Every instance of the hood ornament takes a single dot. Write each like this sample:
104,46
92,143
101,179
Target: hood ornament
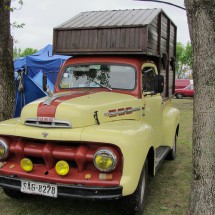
46,87
45,134
49,100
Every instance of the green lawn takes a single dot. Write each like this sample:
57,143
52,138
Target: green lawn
168,191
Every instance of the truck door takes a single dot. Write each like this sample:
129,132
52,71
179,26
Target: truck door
152,103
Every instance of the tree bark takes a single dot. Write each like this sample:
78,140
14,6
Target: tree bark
7,86
201,20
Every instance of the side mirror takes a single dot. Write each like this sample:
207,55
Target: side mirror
159,83
44,82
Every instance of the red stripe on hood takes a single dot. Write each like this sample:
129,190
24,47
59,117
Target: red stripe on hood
50,110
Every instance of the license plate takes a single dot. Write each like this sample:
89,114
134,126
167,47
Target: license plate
38,188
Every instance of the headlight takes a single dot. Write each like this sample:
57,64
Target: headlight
4,150
26,164
62,168
105,160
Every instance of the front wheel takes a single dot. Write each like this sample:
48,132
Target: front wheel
134,203
179,96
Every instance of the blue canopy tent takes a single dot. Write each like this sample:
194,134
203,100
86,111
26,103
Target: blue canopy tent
42,61
30,92
19,63
38,79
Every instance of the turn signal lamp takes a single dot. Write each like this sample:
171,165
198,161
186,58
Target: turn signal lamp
4,150
105,160
26,164
62,168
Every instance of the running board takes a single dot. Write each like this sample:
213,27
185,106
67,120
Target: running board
161,153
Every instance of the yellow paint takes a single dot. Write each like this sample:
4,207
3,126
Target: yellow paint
80,111
152,126
148,64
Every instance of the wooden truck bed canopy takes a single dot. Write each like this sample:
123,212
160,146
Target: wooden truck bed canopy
137,31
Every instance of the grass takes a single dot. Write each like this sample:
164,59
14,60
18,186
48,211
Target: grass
168,190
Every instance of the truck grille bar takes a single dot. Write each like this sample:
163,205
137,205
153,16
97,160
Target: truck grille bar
47,124
51,152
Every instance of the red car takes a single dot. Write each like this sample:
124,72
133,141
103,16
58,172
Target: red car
182,83
185,92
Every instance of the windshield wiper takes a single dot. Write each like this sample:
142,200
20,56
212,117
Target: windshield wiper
101,85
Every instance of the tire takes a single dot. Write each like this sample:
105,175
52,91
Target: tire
179,96
134,203
15,194
172,153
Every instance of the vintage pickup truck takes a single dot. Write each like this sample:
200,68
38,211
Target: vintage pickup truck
110,122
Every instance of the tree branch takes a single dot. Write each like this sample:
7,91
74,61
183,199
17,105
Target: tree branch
164,2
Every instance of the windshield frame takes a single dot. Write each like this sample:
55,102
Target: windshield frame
100,87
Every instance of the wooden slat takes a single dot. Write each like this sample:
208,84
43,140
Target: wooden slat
122,37
154,39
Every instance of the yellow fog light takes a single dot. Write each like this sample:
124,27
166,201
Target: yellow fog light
105,160
26,164
62,167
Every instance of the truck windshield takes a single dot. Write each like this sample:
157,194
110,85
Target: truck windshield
97,75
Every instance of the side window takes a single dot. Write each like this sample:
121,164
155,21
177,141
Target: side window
148,79
191,87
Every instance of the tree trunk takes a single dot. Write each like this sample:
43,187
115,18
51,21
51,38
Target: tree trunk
201,19
7,87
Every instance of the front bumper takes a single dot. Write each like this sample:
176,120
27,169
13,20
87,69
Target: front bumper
73,191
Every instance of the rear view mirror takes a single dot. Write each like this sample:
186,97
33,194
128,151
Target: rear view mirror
159,83
44,82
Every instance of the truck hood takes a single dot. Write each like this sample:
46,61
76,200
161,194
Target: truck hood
76,109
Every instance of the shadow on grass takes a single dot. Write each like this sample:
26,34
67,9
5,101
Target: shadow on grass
34,205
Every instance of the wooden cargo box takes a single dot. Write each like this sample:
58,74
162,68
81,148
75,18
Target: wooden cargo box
135,32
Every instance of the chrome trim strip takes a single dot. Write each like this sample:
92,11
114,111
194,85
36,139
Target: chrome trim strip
115,113
6,149
45,124
49,100
111,154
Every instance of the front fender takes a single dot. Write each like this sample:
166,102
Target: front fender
134,138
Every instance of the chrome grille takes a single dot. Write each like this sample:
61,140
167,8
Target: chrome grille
48,124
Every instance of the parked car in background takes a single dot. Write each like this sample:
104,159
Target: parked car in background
182,83
185,92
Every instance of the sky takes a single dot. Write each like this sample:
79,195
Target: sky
40,17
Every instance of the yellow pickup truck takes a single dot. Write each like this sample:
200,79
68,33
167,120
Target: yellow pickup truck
108,125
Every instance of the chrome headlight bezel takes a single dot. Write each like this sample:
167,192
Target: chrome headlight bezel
4,145
108,153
